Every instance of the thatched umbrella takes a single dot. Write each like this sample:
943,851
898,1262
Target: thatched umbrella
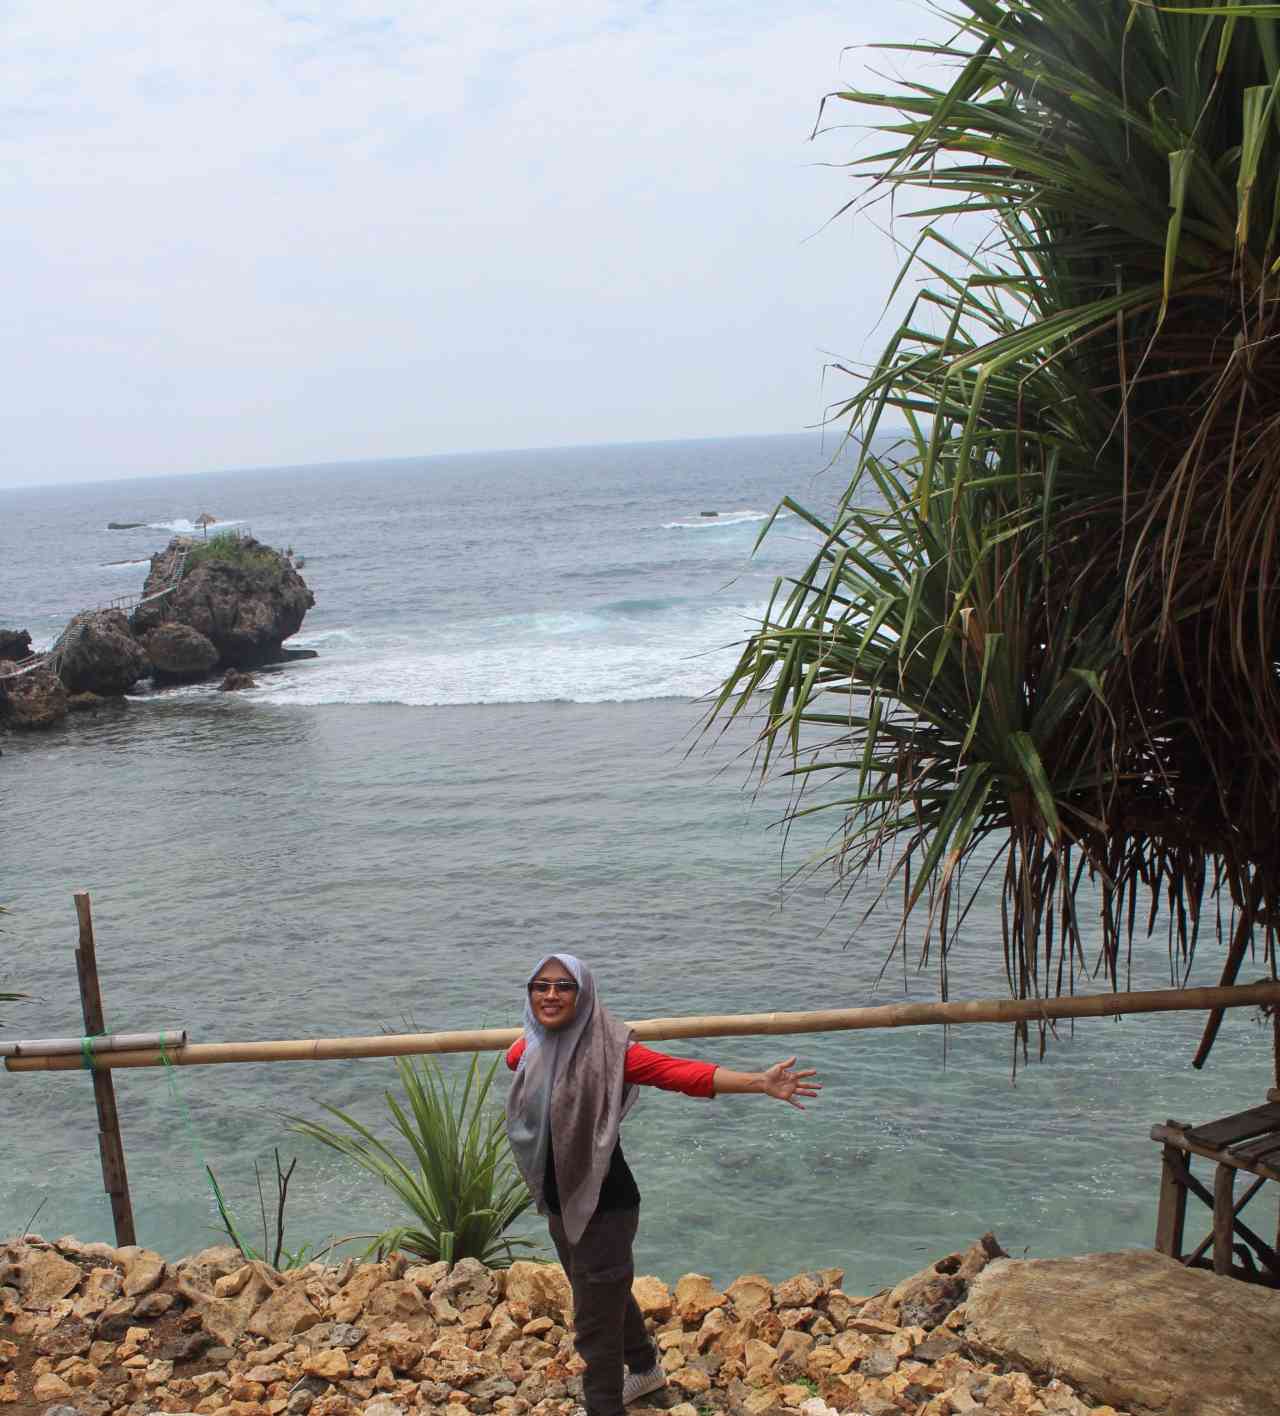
205,520
1055,631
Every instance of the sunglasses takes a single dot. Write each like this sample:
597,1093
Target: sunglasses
553,985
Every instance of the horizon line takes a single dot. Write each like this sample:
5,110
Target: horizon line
418,457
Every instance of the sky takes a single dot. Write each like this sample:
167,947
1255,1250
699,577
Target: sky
274,232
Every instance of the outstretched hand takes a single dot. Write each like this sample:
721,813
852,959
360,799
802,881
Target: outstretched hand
784,1084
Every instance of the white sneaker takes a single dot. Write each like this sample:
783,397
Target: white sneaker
638,1384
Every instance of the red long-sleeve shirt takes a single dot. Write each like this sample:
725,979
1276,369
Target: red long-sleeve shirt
647,1068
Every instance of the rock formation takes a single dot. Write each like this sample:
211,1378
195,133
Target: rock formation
1134,1327
244,597
179,653
100,655
14,644
119,1332
33,700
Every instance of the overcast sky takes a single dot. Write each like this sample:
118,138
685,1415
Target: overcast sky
265,232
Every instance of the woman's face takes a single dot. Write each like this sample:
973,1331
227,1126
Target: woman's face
553,995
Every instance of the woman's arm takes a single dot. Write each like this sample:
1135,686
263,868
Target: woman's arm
777,1081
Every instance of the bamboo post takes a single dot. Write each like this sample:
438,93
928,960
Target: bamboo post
893,1015
115,1178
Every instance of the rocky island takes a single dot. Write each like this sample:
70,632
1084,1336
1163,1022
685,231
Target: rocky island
220,606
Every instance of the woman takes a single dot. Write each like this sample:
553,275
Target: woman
577,1070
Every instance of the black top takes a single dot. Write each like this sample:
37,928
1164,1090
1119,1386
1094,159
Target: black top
618,1192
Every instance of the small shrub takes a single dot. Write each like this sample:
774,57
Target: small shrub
462,1186
229,548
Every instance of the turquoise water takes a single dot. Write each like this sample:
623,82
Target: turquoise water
497,754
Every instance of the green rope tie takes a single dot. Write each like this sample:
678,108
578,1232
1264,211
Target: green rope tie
86,1049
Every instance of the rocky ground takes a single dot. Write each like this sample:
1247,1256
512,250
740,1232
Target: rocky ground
119,1332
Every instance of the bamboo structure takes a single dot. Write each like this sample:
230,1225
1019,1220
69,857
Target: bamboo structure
893,1015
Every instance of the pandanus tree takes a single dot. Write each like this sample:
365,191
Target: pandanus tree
1040,633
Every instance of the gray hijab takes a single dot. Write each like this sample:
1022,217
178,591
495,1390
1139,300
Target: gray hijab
569,1089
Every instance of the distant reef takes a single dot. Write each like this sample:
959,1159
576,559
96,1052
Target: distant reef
209,608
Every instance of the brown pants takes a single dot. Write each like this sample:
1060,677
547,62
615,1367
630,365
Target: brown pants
608,1327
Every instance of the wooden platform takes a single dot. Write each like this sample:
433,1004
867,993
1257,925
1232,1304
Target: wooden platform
1249,1143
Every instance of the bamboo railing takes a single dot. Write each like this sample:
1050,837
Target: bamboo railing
892,1015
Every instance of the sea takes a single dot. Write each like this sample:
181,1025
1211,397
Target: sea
501,749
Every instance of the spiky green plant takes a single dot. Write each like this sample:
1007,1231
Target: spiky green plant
459,1183
1044,626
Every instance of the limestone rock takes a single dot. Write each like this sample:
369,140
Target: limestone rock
100,655
879,1362
227,1318
1134,1329
214,1261
343,1335
426,1276
50,1388
383,1407
229,1284
45,1277
287,1312
331,1363
245,602
653,1297
802,1291
143,1273
113,1320
71,1337
234,680
34,700
750,1293
696,1296
179,653
467,1284
400,1301
539,1290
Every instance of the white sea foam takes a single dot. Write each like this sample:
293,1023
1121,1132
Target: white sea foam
722,518
180,526
341,637
536,658
125,565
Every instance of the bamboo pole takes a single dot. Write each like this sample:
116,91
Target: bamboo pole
115,1177
77,1046
893,1015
